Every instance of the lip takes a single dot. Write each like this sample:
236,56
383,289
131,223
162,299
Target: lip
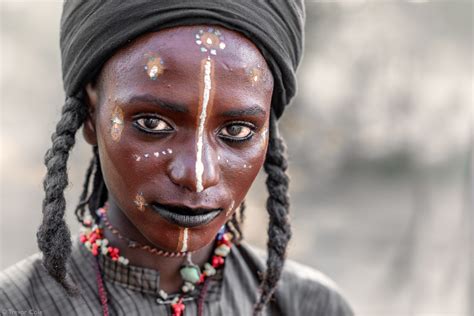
185,216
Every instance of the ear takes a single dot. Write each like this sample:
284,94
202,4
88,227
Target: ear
92,102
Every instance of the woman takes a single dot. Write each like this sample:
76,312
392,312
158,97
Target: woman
179,101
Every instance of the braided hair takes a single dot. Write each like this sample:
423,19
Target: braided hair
54,237
279,229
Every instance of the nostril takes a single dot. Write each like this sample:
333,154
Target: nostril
182,176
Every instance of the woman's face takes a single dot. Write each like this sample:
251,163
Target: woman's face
181,117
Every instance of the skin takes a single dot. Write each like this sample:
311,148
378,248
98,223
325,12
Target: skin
237,107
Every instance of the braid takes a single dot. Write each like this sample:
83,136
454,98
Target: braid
235,224
99,192
53,236
241,213
84,200
279,230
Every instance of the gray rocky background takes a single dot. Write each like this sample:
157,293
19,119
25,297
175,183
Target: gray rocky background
379,148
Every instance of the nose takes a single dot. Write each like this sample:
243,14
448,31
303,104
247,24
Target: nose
194,172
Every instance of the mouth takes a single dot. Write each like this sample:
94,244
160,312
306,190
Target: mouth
184,216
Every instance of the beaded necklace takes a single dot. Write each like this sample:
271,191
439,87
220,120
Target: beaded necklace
91,235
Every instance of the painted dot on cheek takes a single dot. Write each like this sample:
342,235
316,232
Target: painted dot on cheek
117,123
140,202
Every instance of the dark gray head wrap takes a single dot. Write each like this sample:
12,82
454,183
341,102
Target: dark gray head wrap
91,31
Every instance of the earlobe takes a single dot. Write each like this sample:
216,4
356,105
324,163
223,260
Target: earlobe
91,100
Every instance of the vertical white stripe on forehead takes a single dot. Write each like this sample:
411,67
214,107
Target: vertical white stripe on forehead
202,120
184,248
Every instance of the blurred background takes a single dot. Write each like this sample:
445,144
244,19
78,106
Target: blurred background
379,143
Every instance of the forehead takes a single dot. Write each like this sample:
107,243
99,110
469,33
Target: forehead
178,54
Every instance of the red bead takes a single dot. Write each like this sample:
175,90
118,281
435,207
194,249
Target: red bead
95,248
93,238
202,278
217,261
83,238
224,242
178,308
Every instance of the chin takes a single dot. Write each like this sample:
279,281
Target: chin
173,237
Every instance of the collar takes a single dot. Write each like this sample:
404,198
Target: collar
146,280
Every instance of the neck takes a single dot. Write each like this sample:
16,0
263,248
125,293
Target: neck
170,278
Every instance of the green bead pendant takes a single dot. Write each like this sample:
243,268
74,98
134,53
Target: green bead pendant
190,273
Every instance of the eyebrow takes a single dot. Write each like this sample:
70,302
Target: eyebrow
151,99
254,110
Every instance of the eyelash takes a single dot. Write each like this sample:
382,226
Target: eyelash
239,140
225,138
145,130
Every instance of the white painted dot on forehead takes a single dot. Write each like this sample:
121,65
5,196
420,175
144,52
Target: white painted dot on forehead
210,41
154,66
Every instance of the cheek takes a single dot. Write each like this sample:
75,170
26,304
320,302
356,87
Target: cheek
239,169
127,164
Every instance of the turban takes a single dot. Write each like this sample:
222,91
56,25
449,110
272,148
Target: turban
91,31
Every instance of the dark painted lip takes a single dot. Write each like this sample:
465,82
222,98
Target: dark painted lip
185,217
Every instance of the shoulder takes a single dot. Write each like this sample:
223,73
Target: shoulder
310,292
303,290
27,286
17,283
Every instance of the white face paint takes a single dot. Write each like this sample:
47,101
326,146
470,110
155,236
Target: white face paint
210,42
184,248
202,121
137,158
156,154
231,208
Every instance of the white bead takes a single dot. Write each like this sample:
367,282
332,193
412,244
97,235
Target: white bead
163,294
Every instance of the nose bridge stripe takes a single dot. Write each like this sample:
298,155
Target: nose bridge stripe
202,121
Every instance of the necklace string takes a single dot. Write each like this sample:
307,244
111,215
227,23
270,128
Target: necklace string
135,244
93,239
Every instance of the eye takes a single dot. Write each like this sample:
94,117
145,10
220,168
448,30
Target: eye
152,124
237,132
